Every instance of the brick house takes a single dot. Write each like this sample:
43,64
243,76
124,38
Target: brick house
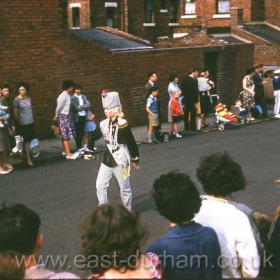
38,47
157,19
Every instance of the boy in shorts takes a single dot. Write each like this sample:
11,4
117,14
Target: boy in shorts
152,110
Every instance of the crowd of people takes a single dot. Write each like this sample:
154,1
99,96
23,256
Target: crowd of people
210,236
193,100
189,102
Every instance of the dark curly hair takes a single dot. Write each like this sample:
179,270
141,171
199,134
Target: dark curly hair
22,84
220,175
176,197
112,237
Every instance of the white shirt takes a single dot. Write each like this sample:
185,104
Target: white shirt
235,237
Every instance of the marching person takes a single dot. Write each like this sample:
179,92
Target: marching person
276,90
121,148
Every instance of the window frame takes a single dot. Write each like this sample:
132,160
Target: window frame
189,1
73,9
217,7
151,16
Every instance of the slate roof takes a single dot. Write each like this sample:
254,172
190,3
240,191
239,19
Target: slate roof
264,31
109,40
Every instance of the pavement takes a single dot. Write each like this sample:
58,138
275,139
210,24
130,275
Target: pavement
51,149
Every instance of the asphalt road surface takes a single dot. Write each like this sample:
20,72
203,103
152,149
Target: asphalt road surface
63,192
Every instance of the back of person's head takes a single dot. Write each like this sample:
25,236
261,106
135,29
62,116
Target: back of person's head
152,89
10,266
67,84
176,197
220,175
114,232
19,229
263,222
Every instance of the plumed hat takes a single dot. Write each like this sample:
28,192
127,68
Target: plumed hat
110,99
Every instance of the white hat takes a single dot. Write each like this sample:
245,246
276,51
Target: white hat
277,71
111,99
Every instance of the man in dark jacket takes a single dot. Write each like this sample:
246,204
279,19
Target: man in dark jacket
259,89
190,92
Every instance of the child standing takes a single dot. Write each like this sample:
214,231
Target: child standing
152,110
90,128
177,113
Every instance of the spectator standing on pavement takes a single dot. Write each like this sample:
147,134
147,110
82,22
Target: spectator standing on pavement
248,93
152,110
20,232
23,114
204,94
152,82
5,94
276,89
64,116
80,106
190,93
5,147
259,88
116,233
177,112
220,176
177,199
173,87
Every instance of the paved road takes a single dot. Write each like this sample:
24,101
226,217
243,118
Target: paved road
64,192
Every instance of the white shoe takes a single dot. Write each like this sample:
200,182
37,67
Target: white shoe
277,116
72,157
63,154
95,148
178,136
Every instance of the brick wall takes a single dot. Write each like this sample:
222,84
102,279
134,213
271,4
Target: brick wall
272,12
38,49
267,54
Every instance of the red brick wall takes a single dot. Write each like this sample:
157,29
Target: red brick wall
267,54
84,13
272,12
37,49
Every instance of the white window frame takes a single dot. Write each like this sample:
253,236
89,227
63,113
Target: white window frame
75,5
186,2
111,4
217,8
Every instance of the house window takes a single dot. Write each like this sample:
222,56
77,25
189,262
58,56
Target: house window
190,7
149,11
173,11
223,6
111,17
76,17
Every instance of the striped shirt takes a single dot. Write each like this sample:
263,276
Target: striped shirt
25,113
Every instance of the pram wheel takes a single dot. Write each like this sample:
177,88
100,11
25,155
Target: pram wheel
35,152
221,127
242,121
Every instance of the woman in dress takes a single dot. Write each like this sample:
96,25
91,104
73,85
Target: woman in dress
173,87
23,114
247,95
112,236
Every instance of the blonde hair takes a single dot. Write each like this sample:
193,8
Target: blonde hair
118,111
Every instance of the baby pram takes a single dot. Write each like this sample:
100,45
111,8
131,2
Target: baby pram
222,116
